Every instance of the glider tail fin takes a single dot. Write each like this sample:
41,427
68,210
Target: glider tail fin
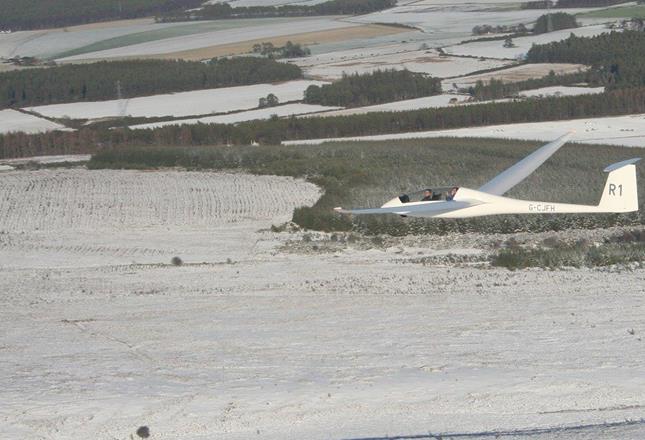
620,193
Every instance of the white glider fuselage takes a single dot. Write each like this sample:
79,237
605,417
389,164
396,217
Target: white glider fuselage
619,195
472,203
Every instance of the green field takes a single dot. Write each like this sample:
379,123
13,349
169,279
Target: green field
637,11
360,174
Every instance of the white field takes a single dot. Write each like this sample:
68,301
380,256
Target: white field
331,66
100,335
14,121
197,102
232,118
496,49
408,104
562,91
216,38
514,74
628,131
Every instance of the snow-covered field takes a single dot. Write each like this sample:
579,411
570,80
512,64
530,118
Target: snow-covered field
331,66
562,91
216,38
232,118
252,338
14,121
408,104
197,102
496,49
62,158
628,131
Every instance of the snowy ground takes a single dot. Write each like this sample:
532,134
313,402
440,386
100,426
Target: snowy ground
408,104
62,158
628,131
269,336
263,113
14,121
197,102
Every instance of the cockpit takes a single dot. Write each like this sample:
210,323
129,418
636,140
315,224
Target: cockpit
430,194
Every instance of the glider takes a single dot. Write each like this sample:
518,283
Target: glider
619,195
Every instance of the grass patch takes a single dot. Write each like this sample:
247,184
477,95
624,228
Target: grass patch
367,174
580,254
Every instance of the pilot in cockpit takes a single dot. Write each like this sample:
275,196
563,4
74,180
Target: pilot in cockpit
451,193
427,195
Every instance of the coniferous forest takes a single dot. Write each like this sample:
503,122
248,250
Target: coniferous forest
617,58
373,88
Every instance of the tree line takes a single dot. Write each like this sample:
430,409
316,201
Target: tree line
617,58
38,14
373,88
98,81
289,50
220,11
615,102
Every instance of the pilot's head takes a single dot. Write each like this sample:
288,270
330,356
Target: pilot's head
427,193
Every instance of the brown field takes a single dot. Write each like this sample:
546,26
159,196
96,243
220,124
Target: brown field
522,73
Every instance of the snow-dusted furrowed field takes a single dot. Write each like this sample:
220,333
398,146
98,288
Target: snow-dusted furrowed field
14,121
198,102
628,131
253,338
232,118
514,74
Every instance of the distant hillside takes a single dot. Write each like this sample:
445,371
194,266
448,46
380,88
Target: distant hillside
39,14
